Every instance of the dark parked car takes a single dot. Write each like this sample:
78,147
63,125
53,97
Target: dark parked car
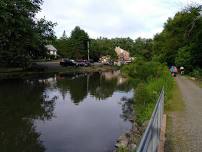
68,62
83,63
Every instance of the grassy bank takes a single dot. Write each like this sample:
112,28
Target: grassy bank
50,68
174,105
148,79
175,102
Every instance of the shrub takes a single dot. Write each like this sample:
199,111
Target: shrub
152,77
197,73
143,70
8,60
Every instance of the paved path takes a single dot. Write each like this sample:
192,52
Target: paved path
187,124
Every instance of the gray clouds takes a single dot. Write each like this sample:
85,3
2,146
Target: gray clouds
111,18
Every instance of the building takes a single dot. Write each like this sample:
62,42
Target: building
122,54
105,59
51,50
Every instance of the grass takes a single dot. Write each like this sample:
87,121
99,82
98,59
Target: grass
148,79
122,149
173,105
147,95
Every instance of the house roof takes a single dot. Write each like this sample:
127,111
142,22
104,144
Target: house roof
119,51
51,48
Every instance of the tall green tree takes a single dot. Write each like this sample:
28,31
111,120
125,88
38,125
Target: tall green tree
21,35
180,40
143,47
75,46
78,42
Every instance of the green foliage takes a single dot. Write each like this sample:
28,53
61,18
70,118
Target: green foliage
78,41
152,77
184,57
102,47
21,34
143,70
180,40
197,73
122,149
75,46
143,47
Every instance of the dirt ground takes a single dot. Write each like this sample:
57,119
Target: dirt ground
184,130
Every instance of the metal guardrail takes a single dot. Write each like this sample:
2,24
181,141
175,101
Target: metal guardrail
151,137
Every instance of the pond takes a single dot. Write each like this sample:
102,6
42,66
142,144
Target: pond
64,113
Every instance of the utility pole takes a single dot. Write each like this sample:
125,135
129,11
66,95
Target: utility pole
88,50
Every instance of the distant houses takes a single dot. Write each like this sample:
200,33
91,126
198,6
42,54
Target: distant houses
105,59
51,50
123,56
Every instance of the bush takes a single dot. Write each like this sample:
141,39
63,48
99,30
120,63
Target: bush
143,70
197,73
51,57
10,60
184,58
152,77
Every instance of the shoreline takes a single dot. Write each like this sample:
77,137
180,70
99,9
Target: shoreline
17,74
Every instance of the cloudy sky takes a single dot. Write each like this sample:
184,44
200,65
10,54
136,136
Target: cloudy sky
112,18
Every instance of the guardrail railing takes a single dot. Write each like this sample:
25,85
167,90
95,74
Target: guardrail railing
151,137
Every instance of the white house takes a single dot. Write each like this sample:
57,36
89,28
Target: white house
51,50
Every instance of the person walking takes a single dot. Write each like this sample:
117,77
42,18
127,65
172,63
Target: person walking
181,70
173,70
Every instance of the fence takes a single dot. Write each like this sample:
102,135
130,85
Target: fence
151,137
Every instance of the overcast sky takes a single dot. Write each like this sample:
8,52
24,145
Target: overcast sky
112,18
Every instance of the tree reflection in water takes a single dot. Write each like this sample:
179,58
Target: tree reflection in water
20,103
100,85
127,109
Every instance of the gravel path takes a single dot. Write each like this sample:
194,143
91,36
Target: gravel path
186,125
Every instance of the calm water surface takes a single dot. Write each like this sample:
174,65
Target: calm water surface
64,113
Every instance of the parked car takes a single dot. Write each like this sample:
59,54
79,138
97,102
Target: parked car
83,63
68,62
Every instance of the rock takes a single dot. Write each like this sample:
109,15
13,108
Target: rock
122,141
133,147
131,120
192,78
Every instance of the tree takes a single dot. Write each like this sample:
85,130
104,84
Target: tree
42,35
104,46
184,58
20,32
143,47
101,47
74,47
64,36
181,38
78,41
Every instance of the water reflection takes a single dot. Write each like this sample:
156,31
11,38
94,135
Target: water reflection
20,103
32,111
100,85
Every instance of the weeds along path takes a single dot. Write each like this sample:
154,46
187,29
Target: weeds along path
185,125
